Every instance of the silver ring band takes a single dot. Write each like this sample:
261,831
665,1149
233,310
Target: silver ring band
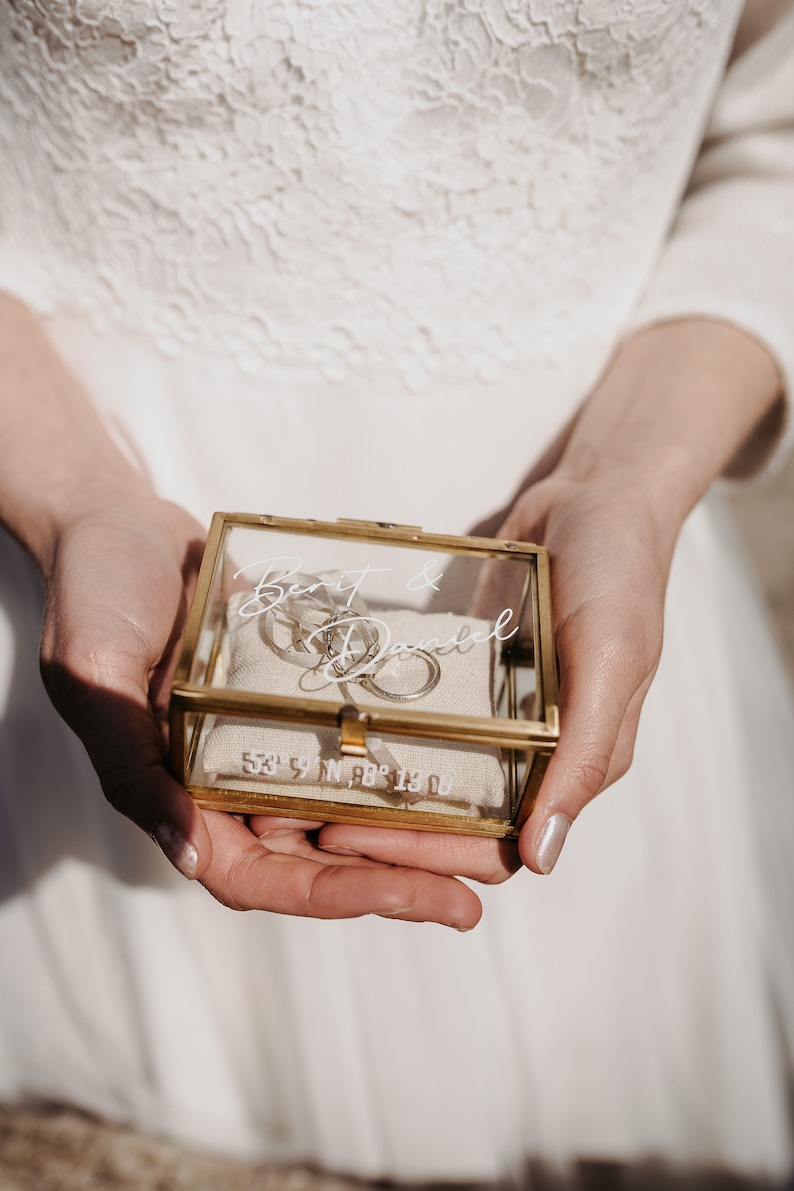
434,677
370,643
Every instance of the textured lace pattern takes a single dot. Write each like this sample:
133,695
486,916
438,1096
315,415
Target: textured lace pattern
416,188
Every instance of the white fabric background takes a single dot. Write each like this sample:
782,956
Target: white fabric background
409,233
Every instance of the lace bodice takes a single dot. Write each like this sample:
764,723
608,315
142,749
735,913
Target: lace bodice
412,187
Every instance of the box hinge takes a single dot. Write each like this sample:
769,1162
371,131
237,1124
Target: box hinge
378,525
353,724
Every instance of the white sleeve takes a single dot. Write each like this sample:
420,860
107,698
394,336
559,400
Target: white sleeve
730,251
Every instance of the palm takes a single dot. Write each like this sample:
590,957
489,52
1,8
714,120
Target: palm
609,571
108,652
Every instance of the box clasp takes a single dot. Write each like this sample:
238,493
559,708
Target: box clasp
353,724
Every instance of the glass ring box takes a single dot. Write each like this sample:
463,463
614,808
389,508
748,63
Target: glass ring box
366,672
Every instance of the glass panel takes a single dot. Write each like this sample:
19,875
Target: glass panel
377,626
288,760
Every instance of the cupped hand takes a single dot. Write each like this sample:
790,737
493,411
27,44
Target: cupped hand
611,558
118,588
680,403
610,561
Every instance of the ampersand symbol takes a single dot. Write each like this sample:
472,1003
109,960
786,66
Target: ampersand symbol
424,579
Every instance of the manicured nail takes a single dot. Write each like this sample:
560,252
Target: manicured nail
550,841
182,854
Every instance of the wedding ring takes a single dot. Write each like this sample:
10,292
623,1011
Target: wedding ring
370,642
352,644
434,677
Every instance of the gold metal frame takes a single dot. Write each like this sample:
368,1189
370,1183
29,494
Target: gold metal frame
535,738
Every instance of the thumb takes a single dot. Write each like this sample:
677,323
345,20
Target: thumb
600,701
126,749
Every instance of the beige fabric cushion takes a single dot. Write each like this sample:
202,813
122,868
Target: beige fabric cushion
305,761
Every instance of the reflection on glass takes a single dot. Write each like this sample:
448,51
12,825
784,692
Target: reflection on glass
429,646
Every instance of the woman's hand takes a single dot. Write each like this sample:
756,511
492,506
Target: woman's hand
117,595
119,566
681,403
612,557
610,566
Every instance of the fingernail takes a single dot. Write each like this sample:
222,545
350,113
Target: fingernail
337,851
550,841
182,854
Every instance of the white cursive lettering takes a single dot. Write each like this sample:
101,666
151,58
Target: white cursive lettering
270,591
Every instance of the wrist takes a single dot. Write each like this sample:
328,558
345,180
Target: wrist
57,461
673,411
77,501
41,502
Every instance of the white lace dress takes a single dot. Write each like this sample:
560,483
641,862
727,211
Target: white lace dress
362,258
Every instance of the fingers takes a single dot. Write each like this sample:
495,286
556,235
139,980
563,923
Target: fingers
601,696
126,750
283,872
277,869
116,603
609,571
490,861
